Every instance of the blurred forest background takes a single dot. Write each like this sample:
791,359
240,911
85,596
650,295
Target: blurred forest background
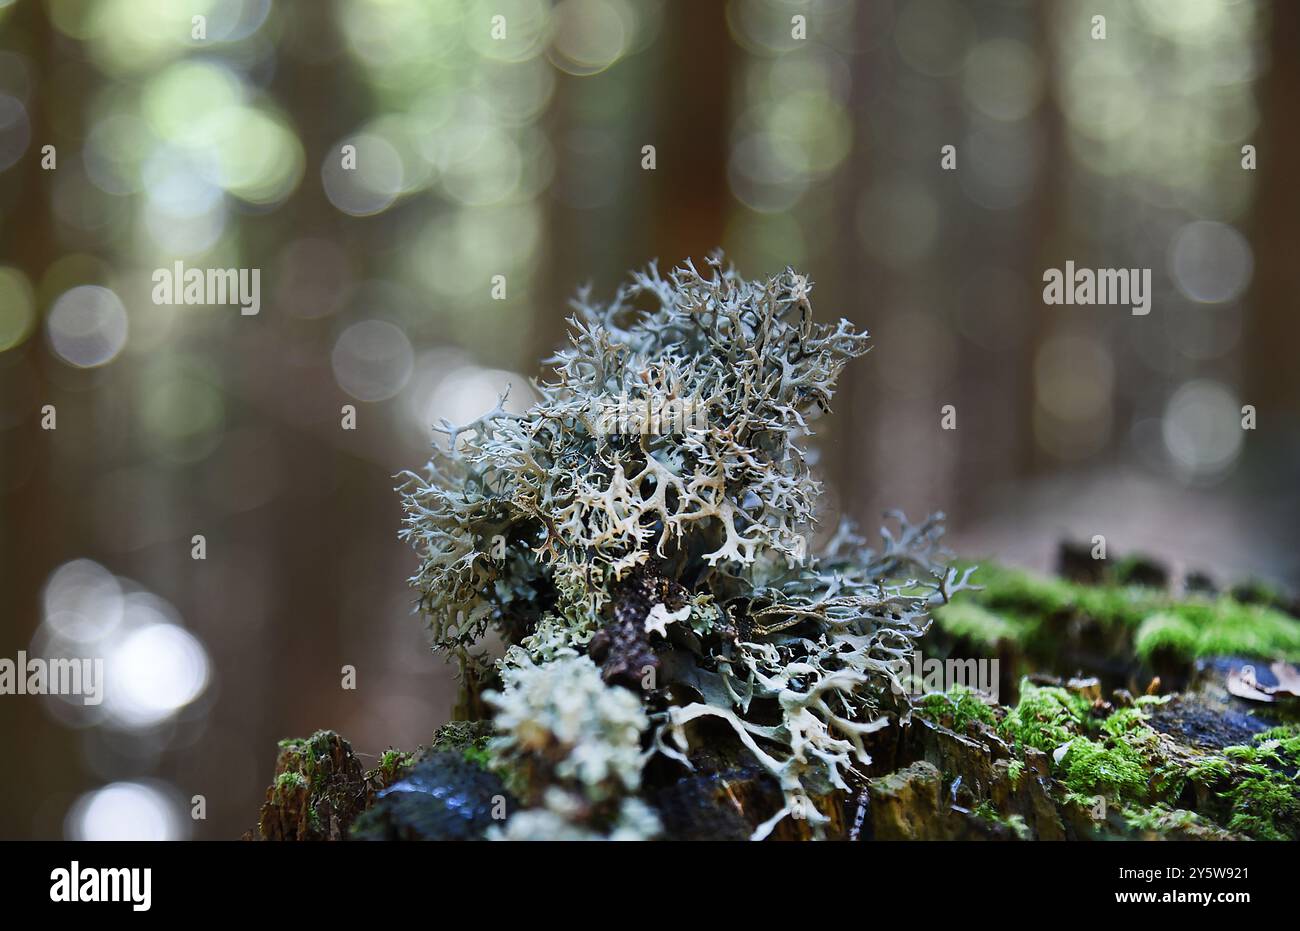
522,157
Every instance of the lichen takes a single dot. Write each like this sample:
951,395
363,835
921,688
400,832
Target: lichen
675,559
572,742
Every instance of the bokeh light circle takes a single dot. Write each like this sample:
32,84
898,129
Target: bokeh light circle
87,326
155,671
17,308
15,130
1201,428
124,811
1210,262
589,36
372,360
373,179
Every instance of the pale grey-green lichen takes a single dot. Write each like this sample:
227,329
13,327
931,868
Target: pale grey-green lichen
682,552
578,743
635,821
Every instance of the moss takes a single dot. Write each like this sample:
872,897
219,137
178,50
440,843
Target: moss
1018,824
1162,819
1252,787
322,768
1119,757
287,783
479,756
1015,772
1257,782
1265,805
979,625
1005,587
1257,591
1209,770
456,735
1114,606
1249,630
391,762
393,759
1045,717
957,708
316,757
1124,721
987,811
1013,604
1165,632
1288,736
1113,768
1011,589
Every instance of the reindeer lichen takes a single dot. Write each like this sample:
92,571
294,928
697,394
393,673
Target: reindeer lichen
610,540
573,745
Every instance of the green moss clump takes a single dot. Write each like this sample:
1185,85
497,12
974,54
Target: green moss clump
1124,721
1016,771
1248,630
1265,804
989,812
1287,735
957,707
319,787
1114,606
1257,782
287,783
1013,606
1045,717
468,738
392,762
1004,587
1119,763
1113,768
979,625
1161,819
1143,772
1209,770
1165,632
479,756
